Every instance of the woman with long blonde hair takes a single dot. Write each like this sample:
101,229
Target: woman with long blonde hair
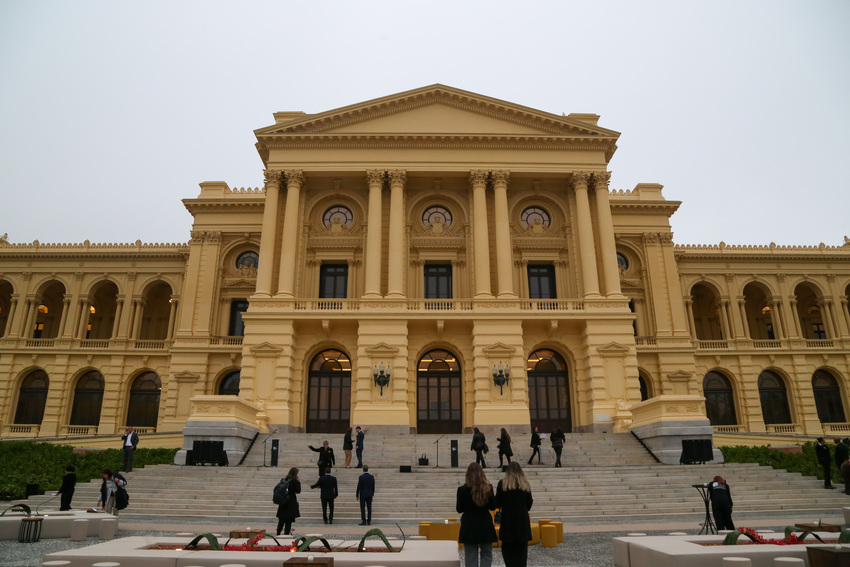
474,502
513,496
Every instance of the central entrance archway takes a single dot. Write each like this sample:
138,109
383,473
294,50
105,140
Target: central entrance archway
438,397
548,391
329,393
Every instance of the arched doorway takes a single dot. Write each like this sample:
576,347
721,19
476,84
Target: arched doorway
438,396
143,409
329,393
706,308
104,307
827,397
549,391
88,399
229,385
774,399
48,315
156,313
5,306
719,399
645,385
32,398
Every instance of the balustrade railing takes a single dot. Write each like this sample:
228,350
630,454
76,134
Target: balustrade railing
712,345
767,344
15,429
439,305
727,428
645,341
225,341
790,428
94,343
78,430
149,345
819,343
551,305
830,428
41,343
327,305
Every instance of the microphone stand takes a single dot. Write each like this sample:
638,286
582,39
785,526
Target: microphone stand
438,450
264,445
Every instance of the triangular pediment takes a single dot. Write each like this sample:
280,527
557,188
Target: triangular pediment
436,110
613,349
498,349
382,349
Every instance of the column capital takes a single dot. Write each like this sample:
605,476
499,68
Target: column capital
579,179
501,177
272,177
397,176
601,179
478,178
294,177
375,176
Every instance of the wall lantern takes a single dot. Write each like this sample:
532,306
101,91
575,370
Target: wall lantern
382,376
501,376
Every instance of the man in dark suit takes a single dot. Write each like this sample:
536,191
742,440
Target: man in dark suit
365,492
822,452
842,452
328,486
358,445
131,440
326,457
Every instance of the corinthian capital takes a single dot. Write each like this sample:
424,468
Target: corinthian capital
478,177
601,179
501,177
294,177
580,178
272,176
375,176
397,176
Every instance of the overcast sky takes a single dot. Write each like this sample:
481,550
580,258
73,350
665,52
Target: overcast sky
112,112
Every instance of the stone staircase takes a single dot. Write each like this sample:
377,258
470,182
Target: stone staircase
605,478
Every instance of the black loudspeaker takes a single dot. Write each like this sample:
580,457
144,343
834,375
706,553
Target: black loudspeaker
696,451
454,453
275,449
405,468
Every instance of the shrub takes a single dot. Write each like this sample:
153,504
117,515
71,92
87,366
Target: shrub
29,462
805,462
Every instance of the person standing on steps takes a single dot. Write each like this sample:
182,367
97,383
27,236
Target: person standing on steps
513,496
558,438
347,446
131,441
479,445
359,447
289,510
326,457
66,491
842,452
535,445
505,447
721,503
329,492
475,499
822,452
365,492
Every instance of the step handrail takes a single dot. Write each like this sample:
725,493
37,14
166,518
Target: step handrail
648,450
248,450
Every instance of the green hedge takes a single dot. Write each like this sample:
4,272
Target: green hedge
805,462
27,462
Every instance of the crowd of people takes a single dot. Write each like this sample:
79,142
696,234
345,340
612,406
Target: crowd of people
479,445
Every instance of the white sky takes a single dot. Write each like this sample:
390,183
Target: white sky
111,112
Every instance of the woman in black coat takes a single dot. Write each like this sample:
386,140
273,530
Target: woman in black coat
535,445
513,496
286,513
721,503
474,501
558,438
347,446
478,445
505,446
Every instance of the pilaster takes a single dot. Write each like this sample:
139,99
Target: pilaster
288,249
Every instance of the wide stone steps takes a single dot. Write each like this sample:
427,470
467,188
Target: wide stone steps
631,487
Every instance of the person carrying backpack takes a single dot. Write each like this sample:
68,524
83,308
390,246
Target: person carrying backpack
112,482
287,501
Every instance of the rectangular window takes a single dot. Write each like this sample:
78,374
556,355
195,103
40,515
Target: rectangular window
333,281
818,330
438,281
541,282
237,308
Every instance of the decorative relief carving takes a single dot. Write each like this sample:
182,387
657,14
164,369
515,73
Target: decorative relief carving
501,177
247,271
294,177
79,275
27,276
601,180
651,237
397,176
477,178
272,177
131,276
375,176
580,179
730,277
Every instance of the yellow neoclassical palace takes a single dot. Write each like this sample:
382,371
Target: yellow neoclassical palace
429,261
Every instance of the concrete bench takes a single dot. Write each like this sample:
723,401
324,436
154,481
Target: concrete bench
57,524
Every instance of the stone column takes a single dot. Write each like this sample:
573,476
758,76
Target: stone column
288,249
66,306
742,306
13,307
397,248
727,314
605,230
587,249
172,317
265,268
137,318
29,318
796,316
85,315
119,308
372,264
640,317
776,319
724,321
504,257
844,311
480,238
827,319
689,305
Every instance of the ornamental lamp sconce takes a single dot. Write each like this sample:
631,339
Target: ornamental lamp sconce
382,376
501,376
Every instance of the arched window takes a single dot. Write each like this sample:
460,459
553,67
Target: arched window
156,313
229,385
774,398
548,391
32,398
437,215
249,258
143,408
88,399
827,397
438,396
535,216
329,394
719,400
645,387
338,215
622,261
